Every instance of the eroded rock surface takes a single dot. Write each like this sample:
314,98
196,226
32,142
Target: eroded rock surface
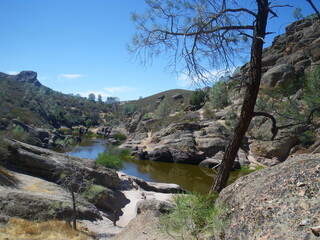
280,202
36,199
43,162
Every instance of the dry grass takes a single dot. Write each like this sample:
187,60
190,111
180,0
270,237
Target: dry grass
18,229
39,186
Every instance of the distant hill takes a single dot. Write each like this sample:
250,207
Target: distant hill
23,97
170,95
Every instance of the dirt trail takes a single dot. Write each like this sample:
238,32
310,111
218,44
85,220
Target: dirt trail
147,142
105,228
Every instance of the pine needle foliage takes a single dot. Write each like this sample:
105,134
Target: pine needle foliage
193,216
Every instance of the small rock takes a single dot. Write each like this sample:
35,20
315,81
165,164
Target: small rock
304,222
300,184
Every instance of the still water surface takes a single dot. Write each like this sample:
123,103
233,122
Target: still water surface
189,177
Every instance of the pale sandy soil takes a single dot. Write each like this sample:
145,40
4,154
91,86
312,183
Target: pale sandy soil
105,228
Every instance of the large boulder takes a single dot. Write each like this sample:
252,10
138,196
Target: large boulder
280,202
178,141
210,163
211,146
160,154
280,73
43,163
109,200
212,138
279,149
157,187
36,199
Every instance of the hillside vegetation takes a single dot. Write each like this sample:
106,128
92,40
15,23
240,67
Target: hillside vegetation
41,106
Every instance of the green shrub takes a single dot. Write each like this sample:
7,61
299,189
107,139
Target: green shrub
307,138
231,119
129,109
193,216
197,98
92,192
208,114
120,136
164,109
147,115
110,161
312,86
219,95
123,154
20,134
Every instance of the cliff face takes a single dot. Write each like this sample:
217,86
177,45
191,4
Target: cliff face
280,202
196,138
23,77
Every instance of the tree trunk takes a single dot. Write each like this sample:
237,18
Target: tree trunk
252,89
74,215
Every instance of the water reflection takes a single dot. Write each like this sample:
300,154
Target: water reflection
88,148
189,177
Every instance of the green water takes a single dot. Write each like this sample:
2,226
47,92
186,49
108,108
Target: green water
189,177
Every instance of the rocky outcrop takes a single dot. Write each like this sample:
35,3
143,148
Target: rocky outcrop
132,123
192,141
23,77
157,187
44,138
187,142
104,131
43,163
280,202
36,199
280,74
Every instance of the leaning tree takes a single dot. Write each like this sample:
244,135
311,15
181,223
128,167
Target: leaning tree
203,35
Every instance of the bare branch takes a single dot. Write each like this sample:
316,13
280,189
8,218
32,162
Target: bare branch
274,128
186,34
314,8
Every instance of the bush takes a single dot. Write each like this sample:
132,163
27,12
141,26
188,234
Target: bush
120,136
219,95
311,94
113,158
163,109
18,133
110,161
92,192
197,98
193,216
307,138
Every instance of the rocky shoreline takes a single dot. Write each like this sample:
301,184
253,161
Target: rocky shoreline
35,195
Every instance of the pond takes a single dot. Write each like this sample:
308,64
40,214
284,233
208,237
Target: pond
189,177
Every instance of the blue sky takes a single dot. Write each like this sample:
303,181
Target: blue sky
79,46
